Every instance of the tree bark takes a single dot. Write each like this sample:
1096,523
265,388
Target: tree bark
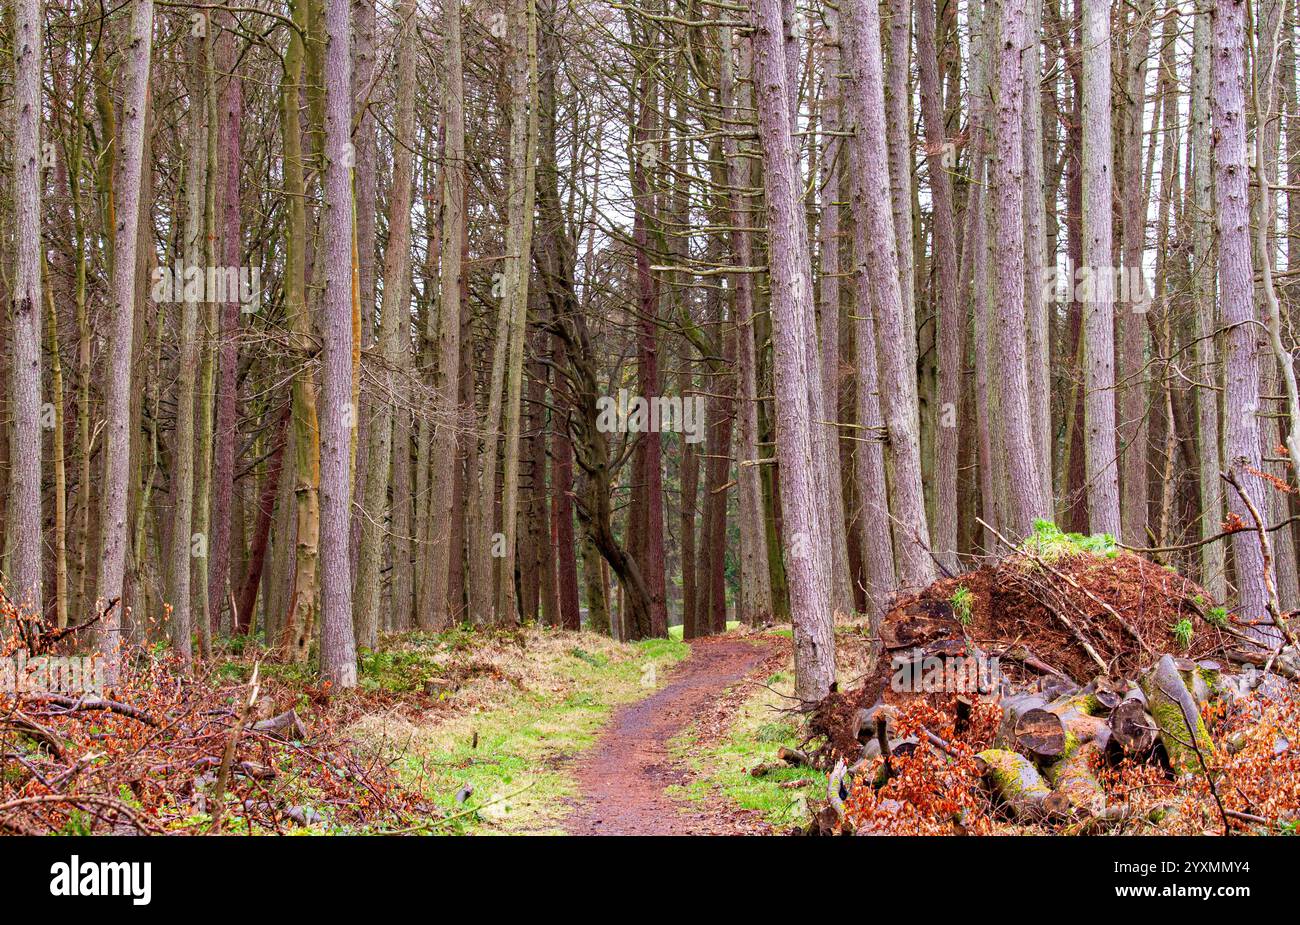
117,399
25,450
1028,501
338,658
870,202
395,322
794,327
1099,297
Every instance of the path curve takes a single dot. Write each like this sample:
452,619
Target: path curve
622,778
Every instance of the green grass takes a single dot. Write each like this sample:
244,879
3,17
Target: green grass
1183,633
961,601
513,753
1050,543
758,730
675,632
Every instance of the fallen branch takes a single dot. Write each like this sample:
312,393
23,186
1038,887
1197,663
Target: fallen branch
75,704
223,775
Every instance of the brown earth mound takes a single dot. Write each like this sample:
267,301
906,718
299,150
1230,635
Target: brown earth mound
1083,615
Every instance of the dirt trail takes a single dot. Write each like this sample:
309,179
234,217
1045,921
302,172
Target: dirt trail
623,777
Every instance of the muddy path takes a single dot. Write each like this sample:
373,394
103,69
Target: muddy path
622,779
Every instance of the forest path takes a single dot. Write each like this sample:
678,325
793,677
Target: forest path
622,779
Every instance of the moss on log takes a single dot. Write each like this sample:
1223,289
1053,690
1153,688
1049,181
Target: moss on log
1174,707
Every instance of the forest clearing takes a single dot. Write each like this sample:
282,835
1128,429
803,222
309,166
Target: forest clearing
676,417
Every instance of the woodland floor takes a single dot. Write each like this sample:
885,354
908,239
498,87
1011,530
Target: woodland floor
625,779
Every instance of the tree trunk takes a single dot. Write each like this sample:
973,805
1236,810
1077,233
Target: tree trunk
25,450
828,230
870,203
1236,289
117,399
1132,397
941,159
794,328
182,489
1028,501
338,659
1213,555
395,321
299,619
755,578
1099,297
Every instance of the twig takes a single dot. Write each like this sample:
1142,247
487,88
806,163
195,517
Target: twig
1266,549
223,776
1074,630
1082,590
445,819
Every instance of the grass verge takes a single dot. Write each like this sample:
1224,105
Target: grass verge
528,707
757,730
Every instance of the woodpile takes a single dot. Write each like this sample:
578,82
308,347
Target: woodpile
1051,739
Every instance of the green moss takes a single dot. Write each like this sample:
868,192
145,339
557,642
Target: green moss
1013,774
1175,735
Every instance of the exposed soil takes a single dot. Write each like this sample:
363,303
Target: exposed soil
622,779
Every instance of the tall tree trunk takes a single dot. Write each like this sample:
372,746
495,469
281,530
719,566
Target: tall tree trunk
1098,262
1266,93
1236,289
299,620
395,321
181,557
117,399
220,576
446,338
25,450
522,195
338,659
1037,258
794,328
366,183
941,159
828,230
860,22
1213,555
1028,500
755,579
1132,398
